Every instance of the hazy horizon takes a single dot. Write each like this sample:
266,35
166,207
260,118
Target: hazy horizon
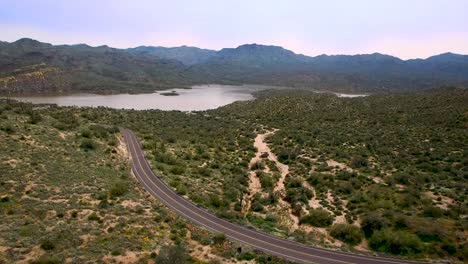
418,29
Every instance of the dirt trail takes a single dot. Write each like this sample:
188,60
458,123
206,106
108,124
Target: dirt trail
254,182
283,208
262,147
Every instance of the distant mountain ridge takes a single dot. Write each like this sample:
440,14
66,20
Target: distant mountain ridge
186,55
30,66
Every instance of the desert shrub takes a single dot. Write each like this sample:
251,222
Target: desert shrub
433,211
165,157
373,222
34,117
94,217
349,234
88,144
45,259
214,201
74,214
219,238
398,243
449,248
116,252
203,171
48,245
172,254
246,256
257,206
118,189
177,170
86,133
181,189
359,162
266,179
8,128
260,165
100,131
318,218
428,232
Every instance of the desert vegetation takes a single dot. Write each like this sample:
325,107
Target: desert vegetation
67,195
384,173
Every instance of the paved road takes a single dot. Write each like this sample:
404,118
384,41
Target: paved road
269,244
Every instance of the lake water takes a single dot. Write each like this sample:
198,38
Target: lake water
198,98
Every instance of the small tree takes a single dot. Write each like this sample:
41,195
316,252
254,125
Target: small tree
347,233
398,243
318,218
118,189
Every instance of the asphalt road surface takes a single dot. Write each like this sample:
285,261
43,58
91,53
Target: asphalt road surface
259,240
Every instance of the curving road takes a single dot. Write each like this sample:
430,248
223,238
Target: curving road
269,244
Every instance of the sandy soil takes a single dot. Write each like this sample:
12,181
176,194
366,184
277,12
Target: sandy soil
254,183
29,187
443,203
130,204
122,149
378,180
262,147
35,253
11,162
86,198
62,135
336,164
127,257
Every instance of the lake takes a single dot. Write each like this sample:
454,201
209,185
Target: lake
199,98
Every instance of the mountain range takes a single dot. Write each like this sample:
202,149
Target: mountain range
30,66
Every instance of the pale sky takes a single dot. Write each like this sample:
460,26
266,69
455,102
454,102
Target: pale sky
403,28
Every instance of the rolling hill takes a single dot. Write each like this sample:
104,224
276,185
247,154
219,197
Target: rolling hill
30,66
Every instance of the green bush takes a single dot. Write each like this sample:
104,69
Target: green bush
398,243
266,179
373,222
318,218
34,117
257,206
74,214
8,128
94,217
246,256
349,234
433,211
172,254
48,245
47,260
219,238
88,144
118,189
86,133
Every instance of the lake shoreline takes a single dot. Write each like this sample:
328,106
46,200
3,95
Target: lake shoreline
195,98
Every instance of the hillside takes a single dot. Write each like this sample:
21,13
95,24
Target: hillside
186,55
29,66
67,196
383,173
